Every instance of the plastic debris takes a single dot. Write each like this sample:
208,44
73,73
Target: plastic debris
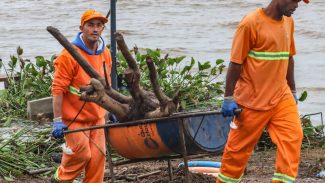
321,174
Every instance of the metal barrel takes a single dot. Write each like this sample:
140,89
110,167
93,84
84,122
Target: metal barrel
204,133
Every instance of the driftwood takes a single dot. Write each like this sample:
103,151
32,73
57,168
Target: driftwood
141,104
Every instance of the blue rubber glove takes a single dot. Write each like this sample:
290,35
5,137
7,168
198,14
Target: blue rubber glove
58,127
112,118
228,107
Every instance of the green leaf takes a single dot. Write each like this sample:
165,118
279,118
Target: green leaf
220,68
163,73
186,69
173,72
138,57
204,66
153,53
32,70
192,61
53,57
308,131
40,61
319,128
180,59
203,74
13,62
143,58
120,57
213,71
219,61
303,96
171,61
188,77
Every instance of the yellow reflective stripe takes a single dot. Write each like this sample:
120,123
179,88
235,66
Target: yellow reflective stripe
56,177
283,178
269,55
226,179
74,90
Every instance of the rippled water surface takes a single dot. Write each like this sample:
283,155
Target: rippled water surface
202,29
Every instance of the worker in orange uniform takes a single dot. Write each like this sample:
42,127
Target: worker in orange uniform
83,151
260,81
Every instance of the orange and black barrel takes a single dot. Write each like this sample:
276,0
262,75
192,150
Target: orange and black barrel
204,133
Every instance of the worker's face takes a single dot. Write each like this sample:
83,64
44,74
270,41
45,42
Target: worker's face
287,7
92,30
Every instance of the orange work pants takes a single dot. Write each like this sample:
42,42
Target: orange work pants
89,153
284,126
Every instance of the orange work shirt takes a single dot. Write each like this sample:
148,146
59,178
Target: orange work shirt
69,76
263,46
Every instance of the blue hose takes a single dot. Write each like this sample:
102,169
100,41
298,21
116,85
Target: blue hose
214,164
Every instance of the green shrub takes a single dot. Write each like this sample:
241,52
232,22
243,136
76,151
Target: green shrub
197,82
27,81
313,135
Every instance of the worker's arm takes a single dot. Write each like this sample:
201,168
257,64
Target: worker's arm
290,74
229,104
232,77
291,77
58,125
57,106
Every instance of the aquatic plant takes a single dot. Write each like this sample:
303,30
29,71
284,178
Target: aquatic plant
25,149
198,83
27,80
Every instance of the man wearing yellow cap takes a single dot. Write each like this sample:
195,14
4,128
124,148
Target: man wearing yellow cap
83,151
260,81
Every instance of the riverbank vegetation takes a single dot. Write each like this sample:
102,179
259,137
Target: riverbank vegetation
27,80
26,146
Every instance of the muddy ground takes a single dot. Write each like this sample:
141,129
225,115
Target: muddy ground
259,170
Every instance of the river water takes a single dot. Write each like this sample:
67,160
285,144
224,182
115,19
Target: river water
199,28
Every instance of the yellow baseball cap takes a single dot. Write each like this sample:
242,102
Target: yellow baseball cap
91,14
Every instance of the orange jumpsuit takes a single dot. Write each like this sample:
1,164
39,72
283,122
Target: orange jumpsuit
263,46
88,147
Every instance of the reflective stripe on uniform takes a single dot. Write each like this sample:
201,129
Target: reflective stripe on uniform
226,179
273,56
74,90
283,178
56,175
57,179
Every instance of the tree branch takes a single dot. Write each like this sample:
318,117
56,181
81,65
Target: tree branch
132,80
154,82
132,74
95,92
125,51
85,65
142,104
